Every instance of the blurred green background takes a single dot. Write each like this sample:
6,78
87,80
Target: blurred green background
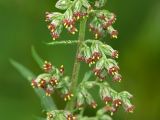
22,25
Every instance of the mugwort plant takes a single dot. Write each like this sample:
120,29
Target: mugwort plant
80,16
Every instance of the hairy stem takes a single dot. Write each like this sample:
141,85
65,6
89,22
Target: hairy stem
76,67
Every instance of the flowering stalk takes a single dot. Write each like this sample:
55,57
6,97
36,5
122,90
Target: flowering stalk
76,67
100,57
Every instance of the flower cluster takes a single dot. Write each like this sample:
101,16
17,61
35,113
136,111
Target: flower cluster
102,23
60,115
112,99
74,12
98,54
53,79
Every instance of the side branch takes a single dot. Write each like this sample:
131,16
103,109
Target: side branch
65,42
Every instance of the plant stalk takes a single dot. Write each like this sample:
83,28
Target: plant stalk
76,67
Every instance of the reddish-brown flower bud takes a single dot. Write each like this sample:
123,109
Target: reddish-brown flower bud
69,22
110,109
96,71
114,54
117,102
130,108
72,30
47,66
42,84
89,60
51,27
34,84
117,78
53,81
48,91
96,56
93,104
114,34
77,15
112,70
70,117
102,17
55,35
107,99
80,58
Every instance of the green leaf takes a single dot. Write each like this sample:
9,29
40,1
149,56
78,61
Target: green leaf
46,101
100,3
37,58
23,71
63,4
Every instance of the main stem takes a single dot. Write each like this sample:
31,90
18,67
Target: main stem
76,67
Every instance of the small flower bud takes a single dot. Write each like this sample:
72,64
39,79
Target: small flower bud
49,90
114,34
68,96
52,27
49,116
130,108
113,70
114,54
42,84
93,104
97,71
117,102
80,58
47,66
34,84
53,81
117,77
61,69
55,35
70,117
96,56
110,109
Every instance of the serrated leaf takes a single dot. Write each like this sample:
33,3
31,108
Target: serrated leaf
46,101
37,58
63,4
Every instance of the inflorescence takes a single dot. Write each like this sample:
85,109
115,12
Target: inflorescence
99,56
53,79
